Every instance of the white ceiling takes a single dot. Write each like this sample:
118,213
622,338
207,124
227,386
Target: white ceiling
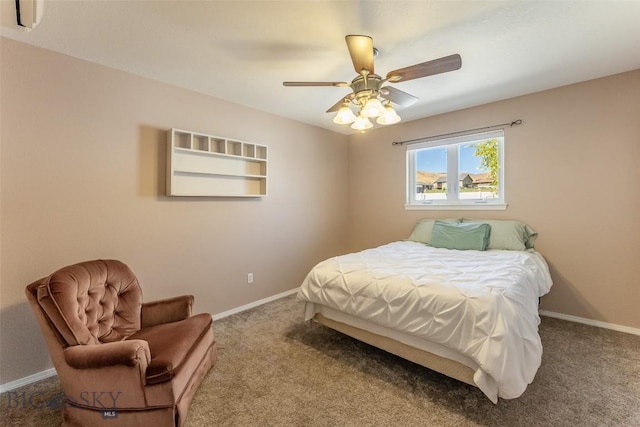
241,51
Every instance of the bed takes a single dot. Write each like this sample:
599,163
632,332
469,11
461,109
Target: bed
469,313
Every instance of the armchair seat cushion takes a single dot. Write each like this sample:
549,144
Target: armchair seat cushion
171,344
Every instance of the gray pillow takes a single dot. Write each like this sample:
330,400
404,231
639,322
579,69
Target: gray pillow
460,236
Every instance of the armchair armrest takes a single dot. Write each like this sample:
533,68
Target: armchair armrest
129,353
166,310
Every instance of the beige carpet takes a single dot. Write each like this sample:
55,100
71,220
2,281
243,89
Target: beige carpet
275,370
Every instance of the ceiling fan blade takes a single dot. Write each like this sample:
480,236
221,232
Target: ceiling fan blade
397,96
336,84
429,68
361,51
339,104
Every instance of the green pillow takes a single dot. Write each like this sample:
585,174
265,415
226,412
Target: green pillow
507,234
422,231
460,236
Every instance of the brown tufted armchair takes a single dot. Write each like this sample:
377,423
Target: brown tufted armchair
121,361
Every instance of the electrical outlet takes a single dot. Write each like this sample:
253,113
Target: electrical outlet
250,278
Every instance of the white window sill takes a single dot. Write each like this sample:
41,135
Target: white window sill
457,207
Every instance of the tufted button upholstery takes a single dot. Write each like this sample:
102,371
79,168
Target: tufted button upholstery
93,302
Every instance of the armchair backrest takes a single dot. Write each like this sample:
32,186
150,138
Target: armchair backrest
92,302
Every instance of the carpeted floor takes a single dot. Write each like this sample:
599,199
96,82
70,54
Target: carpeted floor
275,370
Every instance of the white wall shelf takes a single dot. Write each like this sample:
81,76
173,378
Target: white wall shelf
206,165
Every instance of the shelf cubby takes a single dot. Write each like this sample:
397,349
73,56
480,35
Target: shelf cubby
200,143
234,148
249,150
182,140
261,152
218,145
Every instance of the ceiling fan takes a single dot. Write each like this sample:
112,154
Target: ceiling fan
368,93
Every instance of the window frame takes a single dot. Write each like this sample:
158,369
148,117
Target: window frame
452,201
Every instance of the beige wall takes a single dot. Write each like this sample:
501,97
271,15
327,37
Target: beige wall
572,172
82,175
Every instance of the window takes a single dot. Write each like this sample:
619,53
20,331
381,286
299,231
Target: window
464,172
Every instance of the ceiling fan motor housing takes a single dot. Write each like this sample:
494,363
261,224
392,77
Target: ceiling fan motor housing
365,88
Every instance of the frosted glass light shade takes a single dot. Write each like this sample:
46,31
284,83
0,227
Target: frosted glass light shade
389,116
373,108
344,116
361,123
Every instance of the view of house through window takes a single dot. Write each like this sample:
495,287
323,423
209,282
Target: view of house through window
461,170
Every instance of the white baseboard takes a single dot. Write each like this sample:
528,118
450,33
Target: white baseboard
11,385
599,324
253,304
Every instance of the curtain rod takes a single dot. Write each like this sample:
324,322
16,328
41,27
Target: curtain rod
462,132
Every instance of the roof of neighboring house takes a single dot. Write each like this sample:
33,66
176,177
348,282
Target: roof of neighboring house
425,177
481,178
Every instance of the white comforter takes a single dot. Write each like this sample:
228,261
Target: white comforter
481,304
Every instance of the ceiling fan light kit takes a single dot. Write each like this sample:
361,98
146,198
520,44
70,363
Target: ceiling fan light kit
345,116
372,108
368,94
389,116
362,123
